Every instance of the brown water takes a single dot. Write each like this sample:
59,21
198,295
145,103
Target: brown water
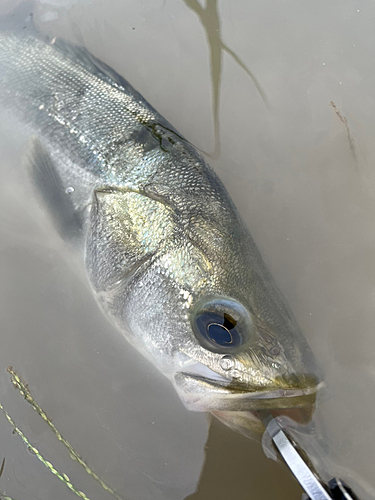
289,89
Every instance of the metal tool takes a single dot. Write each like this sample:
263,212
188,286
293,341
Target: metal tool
296,459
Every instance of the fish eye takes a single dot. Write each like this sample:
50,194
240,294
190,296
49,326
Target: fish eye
222,325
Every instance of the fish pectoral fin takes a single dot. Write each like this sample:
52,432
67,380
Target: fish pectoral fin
50,187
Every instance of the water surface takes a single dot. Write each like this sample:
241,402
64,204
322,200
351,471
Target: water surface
291,99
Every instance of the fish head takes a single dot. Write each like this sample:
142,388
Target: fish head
212,319
195,297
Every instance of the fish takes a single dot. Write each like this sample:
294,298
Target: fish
169,258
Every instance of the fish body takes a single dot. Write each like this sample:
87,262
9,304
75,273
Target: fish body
168,256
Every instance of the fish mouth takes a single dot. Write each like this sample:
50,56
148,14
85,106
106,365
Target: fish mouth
238,406
217,394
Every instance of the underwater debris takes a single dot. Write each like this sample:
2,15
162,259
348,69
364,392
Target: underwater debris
349,135
4,496
63,477
210,20
23,389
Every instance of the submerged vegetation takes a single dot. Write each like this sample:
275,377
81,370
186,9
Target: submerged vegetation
210,19
23,389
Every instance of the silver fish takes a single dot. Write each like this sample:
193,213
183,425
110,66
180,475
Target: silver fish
168,256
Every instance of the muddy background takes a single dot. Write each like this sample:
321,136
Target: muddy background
288,88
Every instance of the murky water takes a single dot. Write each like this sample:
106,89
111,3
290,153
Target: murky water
289,88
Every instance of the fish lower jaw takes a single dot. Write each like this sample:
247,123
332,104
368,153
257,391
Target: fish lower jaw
202,394
285,393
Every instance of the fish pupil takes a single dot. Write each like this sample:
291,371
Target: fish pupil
219,334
